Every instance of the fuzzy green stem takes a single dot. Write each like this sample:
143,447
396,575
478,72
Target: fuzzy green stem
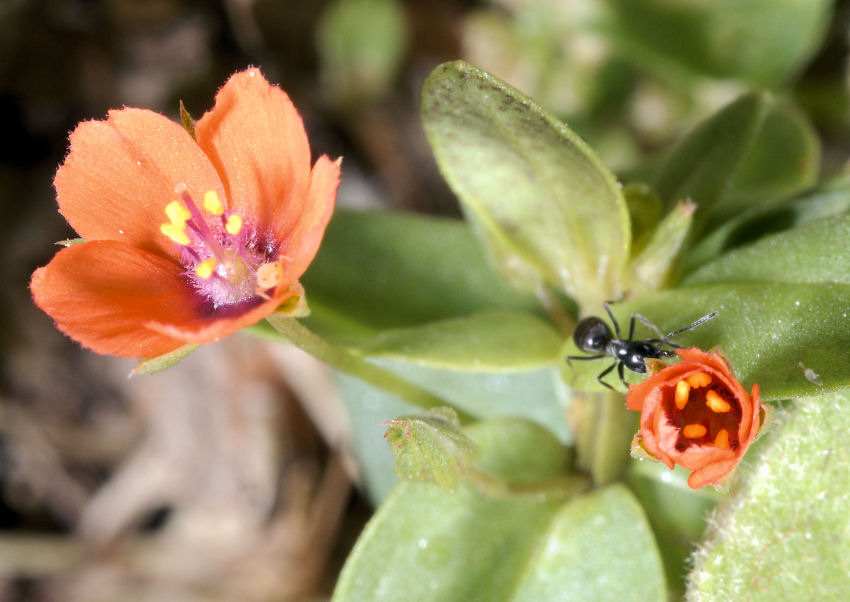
345,361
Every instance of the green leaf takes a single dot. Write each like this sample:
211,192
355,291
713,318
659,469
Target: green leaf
378,270
761,41
426,544
771,332
598,547
703,166
535,193
486,341
429,447
814,252
787,534
537,395
755,150
652,268
677,513
830,199
161,362
783,160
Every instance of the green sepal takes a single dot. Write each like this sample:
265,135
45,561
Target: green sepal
161,362
430,447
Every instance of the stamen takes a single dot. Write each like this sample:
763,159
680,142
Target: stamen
233,225
212,203
177,214
722,439
717,403
205,268
269,275
683,390
699,379
693,431
175,233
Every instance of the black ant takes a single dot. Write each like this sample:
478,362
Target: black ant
592,335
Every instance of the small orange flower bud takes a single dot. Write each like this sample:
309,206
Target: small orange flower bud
696,414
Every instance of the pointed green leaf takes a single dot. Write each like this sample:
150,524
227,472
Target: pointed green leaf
814,252
378,270
760,41
429,447
536,395
829,199
787,536
772,333
652,268
703,166
161,362
485,341
538,197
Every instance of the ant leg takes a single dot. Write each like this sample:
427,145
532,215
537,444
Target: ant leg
607,307
584,357
605,372
622,377
694,324
650,325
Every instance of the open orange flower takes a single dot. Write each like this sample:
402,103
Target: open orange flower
694,413
187,240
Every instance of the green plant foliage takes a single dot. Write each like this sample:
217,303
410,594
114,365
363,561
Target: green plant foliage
536,395
731,160
652,268
426,544
771,333
529,186
429,447
814,252
760,41
361,44
786,536
486,341
161,362
703,166
598,547
378,270
829,199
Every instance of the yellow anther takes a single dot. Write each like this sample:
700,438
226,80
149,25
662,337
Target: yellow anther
233,225
175,233
699,379
212,203
693,431
683,391
205,268
716,403
177,213
722,439
269,275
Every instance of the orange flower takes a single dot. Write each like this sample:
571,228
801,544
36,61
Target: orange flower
187,241
696,414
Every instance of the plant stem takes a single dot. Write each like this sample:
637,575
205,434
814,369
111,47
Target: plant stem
345,361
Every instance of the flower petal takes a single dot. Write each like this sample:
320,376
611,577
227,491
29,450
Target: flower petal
302,242
102,293
120,174
256,140
213,328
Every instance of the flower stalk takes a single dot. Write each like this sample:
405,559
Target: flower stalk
345,361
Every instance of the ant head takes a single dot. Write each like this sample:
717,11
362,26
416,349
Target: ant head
591,335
